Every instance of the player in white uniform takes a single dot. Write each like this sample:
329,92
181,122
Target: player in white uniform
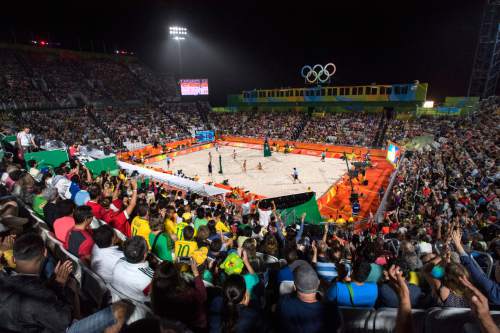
26,140
295,176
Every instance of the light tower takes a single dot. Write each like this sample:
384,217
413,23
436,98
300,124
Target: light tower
486,67
179,34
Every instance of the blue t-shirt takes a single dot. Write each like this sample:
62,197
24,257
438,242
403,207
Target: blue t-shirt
285,274
364,296
298,316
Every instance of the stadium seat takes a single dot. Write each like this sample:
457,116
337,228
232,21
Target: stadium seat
141,310
355,320
384,320
62,254
439,320
483,260
94,289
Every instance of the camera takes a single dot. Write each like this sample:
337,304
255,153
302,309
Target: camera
184,260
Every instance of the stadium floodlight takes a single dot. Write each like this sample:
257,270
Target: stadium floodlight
178,33
428,104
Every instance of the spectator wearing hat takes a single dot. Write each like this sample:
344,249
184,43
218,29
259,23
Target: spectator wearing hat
303,311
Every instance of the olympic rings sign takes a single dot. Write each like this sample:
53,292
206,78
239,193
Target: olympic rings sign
318,73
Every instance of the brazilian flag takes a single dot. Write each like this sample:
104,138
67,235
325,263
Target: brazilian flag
291,207
267,149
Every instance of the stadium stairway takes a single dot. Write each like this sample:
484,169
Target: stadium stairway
203,110
381,128
108,131
175,121
301,126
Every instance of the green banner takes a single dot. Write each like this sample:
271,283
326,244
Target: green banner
291,207
9,139
48,158
107,164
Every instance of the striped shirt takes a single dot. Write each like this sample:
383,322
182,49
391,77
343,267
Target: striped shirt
326,271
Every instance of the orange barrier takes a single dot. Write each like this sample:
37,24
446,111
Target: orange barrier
317,147
173,154
150,150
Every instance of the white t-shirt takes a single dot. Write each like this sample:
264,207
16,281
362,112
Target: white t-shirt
24,138
264,217
132,280
103,261
246,208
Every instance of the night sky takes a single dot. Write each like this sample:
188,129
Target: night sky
263,44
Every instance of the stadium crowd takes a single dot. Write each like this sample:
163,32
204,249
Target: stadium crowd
145,125
204,264
15,85
35,77
350,128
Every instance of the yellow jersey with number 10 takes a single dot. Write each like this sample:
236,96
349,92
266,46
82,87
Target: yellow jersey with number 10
140,227
185,248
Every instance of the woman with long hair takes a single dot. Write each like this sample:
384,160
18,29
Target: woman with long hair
174,298
231,312
444,279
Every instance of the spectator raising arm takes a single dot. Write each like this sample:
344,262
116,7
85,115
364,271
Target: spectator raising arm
404,318
480,309
133,200
488,286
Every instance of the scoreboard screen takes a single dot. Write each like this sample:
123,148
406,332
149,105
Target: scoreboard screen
190,87
205,136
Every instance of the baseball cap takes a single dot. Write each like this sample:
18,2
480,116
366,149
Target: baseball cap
305,277
81,197
424,248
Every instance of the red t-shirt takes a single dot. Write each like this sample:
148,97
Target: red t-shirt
79,242
97,210
72,151
118,220
62,227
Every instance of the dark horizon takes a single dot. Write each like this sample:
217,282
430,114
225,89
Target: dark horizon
261,45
